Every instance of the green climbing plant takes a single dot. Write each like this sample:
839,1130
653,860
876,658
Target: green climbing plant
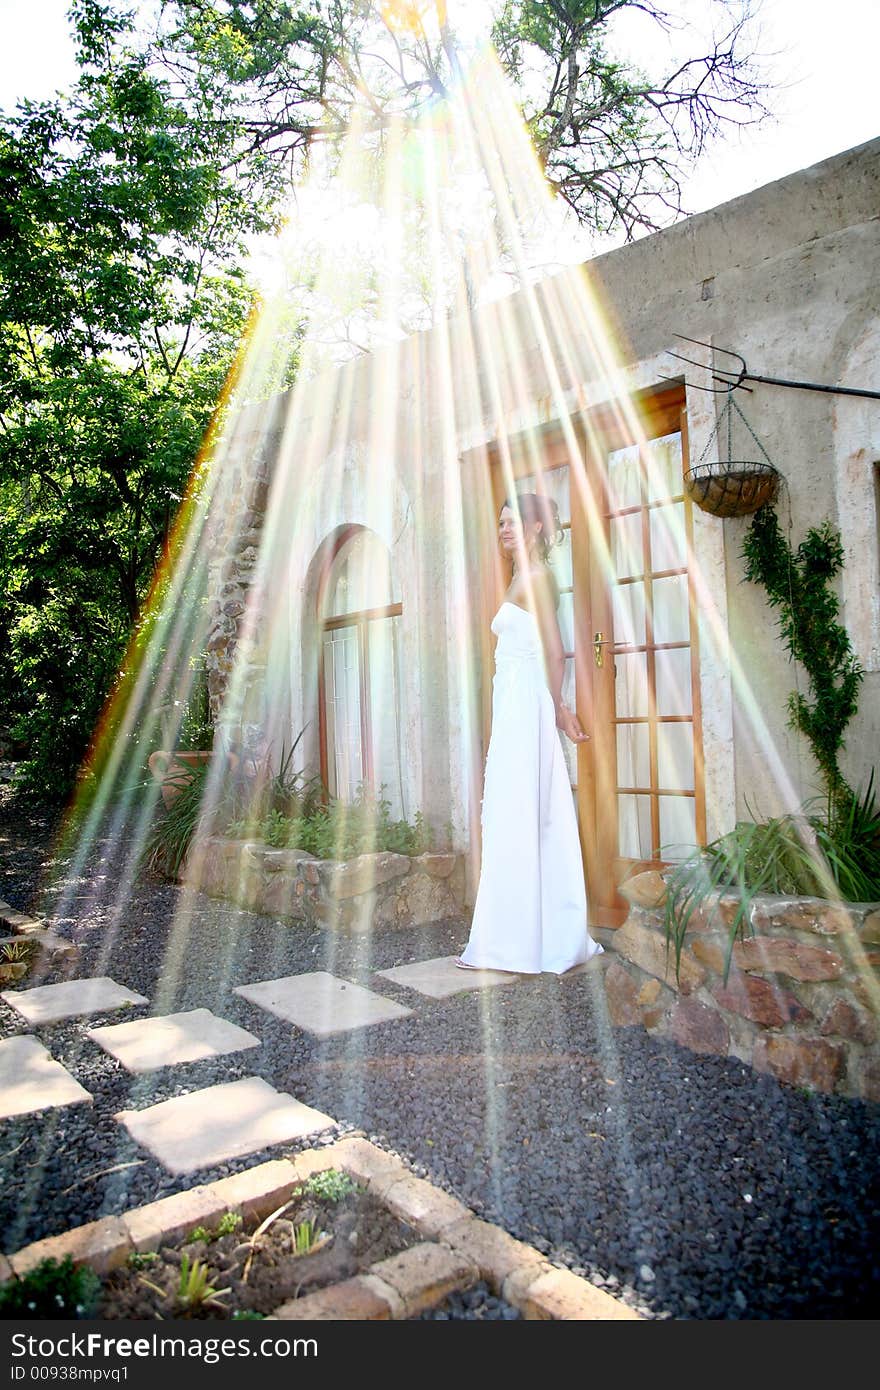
799,585
824,855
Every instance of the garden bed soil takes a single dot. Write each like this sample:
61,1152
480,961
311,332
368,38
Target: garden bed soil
260,1272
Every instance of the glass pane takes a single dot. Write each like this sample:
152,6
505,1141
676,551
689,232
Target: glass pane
343,711
663,467
671,617
552,482
565,613
624,478
673,669
634,826
627,554
628,613
361,577
556,485
678,826
668,538
633,756
630,684
560,561
383,636
675,757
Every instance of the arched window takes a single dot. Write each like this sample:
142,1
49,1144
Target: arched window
359,699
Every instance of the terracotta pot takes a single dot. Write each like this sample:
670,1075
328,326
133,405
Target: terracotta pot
171,770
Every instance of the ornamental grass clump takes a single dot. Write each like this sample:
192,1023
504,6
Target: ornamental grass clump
834,856
244,795
172,833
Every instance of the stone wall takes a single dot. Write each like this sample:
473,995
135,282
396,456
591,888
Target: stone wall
370,891
235,607
801,1000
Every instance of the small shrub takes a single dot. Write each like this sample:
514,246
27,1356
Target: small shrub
196,733
228,1223
278,830
52,1289
284,810
341,830
142,1259
330,1186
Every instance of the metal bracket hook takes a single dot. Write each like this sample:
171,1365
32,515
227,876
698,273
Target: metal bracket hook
742,374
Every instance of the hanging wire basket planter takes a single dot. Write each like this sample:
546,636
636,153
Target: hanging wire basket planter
732,487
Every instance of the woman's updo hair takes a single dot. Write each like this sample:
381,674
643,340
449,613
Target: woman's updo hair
531,508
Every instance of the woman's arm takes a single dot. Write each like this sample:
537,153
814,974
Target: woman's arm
542,594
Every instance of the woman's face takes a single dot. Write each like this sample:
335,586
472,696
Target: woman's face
517,538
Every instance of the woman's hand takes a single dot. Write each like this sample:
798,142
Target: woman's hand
568,722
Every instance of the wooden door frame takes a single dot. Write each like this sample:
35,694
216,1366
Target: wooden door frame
598,432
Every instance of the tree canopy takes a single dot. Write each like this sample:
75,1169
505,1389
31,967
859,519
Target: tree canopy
615,143
122,302
126,211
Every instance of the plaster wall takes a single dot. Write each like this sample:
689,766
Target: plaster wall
787,276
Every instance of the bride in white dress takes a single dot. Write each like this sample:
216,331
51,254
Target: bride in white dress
530,913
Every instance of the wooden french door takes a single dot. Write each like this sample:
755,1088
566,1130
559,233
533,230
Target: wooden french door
643,658
628,622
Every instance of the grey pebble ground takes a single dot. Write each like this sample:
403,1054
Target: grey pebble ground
689,1186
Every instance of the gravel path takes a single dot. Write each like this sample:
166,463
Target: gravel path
689,1186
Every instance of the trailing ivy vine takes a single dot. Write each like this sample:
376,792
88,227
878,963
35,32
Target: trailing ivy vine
799,584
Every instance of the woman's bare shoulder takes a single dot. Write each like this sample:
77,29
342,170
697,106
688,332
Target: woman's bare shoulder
545,583
540,574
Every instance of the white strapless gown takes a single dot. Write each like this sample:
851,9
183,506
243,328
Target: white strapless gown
530,913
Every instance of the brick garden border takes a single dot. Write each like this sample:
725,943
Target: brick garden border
456,1251
49,947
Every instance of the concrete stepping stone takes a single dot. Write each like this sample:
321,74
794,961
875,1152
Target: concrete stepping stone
148,1043
441,977
207,1127
31,1080
319,1003
50,1003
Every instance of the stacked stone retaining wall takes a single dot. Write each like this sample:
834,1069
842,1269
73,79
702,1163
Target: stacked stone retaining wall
369,891
801,1000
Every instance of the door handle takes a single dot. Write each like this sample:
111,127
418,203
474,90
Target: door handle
600,641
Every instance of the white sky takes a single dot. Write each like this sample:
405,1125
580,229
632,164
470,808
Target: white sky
825,55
